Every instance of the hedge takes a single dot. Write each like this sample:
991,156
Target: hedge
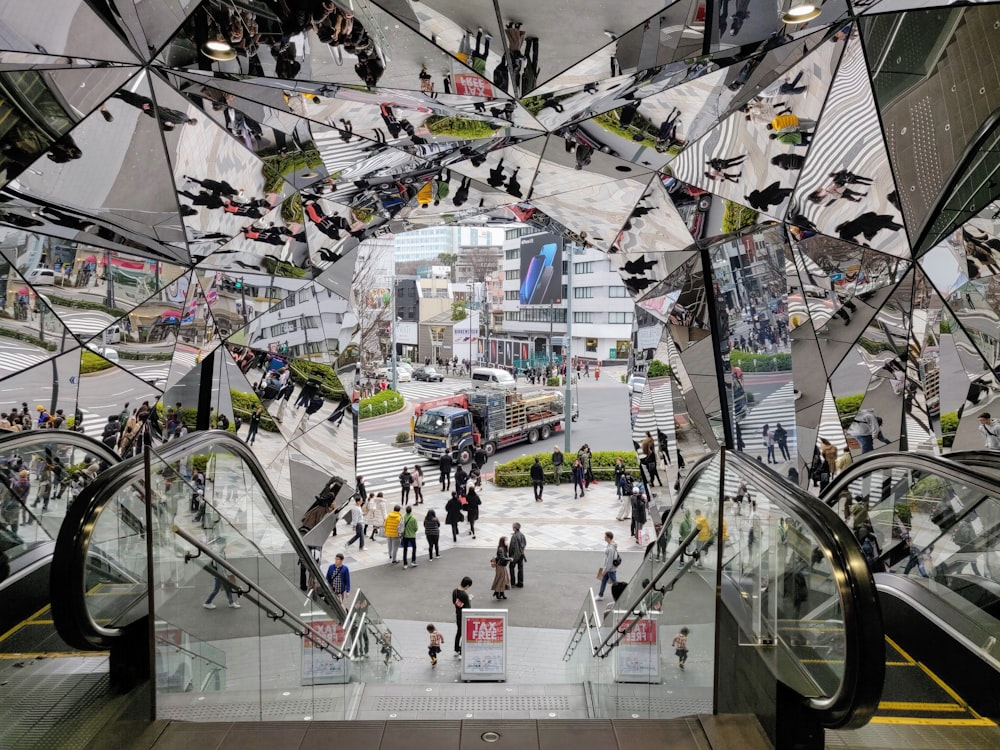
243,406
780,362
330,385
736,217
382,403
81,304
657,369
516,473
459,127
149,356
10,333
949,427
93,362
847,408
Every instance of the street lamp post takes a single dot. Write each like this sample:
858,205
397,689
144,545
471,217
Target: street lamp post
568,352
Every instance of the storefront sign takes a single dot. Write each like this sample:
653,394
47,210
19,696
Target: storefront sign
484,653
638,652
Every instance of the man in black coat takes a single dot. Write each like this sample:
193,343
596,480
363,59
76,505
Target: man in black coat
445,464
537,479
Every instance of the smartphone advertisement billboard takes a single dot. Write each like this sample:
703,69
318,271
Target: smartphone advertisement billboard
541,269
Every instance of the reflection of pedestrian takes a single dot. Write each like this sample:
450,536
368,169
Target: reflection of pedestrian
771,195
513,186
792,88
867,224
221,580
529,75
462,194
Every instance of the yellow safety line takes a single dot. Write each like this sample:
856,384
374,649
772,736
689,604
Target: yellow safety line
52,654
902,653
899,664
21,624
919,706
901,720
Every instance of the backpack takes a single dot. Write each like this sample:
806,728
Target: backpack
618,558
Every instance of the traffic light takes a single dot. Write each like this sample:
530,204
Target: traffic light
237,284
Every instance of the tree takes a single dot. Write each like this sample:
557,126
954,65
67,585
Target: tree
448,259
459,309
371,299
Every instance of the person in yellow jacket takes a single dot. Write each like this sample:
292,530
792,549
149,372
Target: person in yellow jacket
391,529
704,535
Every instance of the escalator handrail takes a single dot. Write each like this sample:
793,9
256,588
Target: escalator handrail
12,441
860,689
69,605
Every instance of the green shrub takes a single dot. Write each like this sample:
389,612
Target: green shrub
403,437
945,326
949,426
243,406
558,380
93,362
10,333
149,356
383,402
780,362
516,473
736,217
459,127
282,268
657,369
81,304
847,408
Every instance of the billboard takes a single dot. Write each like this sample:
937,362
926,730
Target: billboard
541,269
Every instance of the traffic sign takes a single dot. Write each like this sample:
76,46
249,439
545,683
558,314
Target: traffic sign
836,277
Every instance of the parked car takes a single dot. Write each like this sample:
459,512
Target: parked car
402,374
428,374
105,351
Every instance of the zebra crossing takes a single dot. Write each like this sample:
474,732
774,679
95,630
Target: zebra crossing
85,325
381,464
778,407
416,391
19,358
654,411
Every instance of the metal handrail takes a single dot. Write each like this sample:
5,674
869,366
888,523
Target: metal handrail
584,622
276,611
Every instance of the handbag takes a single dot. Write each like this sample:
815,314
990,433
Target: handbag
493,562
231,578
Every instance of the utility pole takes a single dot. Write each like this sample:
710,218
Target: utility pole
243,299
392,330
568,351
552,325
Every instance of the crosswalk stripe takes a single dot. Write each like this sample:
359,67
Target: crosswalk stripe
15,362
778,407
418,391
380,465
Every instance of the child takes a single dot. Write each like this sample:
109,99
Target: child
434,647
680,644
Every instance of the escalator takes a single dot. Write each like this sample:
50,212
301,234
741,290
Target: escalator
797,625
215,589
936,524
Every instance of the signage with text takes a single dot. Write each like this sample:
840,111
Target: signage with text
638,652
484,653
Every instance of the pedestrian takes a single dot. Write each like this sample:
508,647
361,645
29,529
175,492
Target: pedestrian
771,195
989,431
768,436
453,515
609,571
537,479
432,530
781,438
417,481
409,535
378,514
434,644
584,456
829,452
501,574
680,645
558,459
704,539
515,549
392,531
472,503
638,514
444,465
651,469
222,582
576,473
460,600
357,519
461,479
405,481
339,577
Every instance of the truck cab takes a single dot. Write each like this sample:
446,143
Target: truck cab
444,429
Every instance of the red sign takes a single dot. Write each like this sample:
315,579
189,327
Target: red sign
484,630
643,632
471,85
329,629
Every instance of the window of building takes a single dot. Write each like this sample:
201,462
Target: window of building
537,315
620,317
583,317
583,292
514,254
512,294
512,275
591,345
586,267
617,291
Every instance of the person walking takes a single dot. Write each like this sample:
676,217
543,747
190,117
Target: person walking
501,574
584,455
577,474
254,422
619,473
222,582
461,600
558,459
989,431
781,438
409,535
768,436
417,482
609,571
537,479
444,466
339,578
680,646
829,452
515,549
704,539
639,516
392,531
434,643
432,530
472,503
453,515
357,520
405,482
377,509
461,479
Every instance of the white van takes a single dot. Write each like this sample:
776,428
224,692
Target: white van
113,334
493,376
41,277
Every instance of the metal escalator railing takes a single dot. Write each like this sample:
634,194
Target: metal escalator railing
84,529
775,568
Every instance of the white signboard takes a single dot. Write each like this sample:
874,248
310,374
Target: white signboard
637,656
319,667
464,329
484,652
406,332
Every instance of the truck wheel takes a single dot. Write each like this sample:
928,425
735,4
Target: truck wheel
546,431
490,448
464,456
533,437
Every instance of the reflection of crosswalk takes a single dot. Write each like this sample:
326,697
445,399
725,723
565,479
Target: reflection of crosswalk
418,391
93,423
380,465
779,407
85,324
656,408
18,359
